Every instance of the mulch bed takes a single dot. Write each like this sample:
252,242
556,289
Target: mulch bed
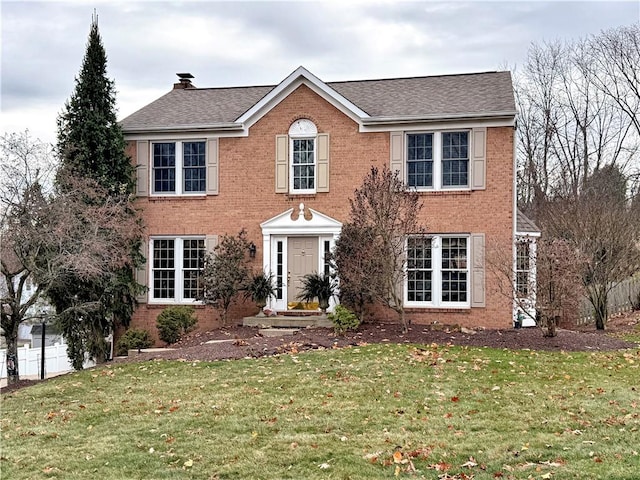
241,342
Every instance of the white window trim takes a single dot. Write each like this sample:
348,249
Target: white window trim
437,160
436,276
179,178
303,129
178,253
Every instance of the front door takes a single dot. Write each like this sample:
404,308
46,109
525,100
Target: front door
302,259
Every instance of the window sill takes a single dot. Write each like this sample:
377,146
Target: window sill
157,305
436,193
168,198
414,309
301,196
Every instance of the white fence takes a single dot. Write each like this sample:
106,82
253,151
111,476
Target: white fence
619,300
30,361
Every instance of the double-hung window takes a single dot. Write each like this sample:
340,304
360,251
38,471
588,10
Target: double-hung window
302,147
437,160
303,164
437,271
179,167
523,267
455,159
419,269
420,160
176,268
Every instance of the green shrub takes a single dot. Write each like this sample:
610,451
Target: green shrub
174,322
134,338
343,319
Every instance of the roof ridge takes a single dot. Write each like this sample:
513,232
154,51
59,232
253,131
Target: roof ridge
416,77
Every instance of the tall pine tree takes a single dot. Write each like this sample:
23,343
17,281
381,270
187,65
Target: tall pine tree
90,140
91,144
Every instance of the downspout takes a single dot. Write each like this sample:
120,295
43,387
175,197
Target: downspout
514,210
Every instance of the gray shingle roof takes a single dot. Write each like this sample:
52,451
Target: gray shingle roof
524,224
196,106
446,95
440,96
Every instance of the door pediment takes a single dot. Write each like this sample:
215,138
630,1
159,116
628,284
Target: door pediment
300,222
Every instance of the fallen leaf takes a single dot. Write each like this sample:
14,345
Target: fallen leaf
397,456
470,463
188,463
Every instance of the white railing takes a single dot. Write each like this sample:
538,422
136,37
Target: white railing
30,361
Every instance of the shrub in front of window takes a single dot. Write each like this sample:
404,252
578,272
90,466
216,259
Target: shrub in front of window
343,319
134,338
226,273
174,322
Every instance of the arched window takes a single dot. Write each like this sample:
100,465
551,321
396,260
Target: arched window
302,148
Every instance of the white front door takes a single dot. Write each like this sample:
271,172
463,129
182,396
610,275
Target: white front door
295,244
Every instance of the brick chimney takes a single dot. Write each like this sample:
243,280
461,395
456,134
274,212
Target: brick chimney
185,81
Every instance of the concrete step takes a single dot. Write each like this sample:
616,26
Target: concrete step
288,321
277,332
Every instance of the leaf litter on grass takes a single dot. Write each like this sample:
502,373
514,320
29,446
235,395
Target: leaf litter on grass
419,410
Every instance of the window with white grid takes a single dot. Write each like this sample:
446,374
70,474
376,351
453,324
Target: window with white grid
437,160
179,167
437,268
176,268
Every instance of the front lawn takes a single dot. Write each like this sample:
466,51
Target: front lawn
374,411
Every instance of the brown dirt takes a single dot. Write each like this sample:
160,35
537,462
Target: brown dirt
242,342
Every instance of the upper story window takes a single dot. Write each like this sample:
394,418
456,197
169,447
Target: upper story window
455,159
302,148
179,167
438,160
420,160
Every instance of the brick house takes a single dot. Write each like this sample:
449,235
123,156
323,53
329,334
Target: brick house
282,162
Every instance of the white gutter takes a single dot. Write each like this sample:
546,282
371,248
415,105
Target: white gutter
436,117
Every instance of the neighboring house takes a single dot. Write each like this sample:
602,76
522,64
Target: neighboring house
283,161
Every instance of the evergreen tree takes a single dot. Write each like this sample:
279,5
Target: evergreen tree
91,145
90,140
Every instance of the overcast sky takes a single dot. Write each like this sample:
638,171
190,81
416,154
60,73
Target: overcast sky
260,43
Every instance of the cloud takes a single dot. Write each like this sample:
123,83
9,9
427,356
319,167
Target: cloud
259,43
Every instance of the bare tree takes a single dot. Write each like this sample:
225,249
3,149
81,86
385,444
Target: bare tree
614,58
358,267
47,238
602,228
569,125
383,215
226,273
550,295
537,106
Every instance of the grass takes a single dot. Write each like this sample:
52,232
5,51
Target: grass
630,335
376,411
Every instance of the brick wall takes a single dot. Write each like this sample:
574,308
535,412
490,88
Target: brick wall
247,197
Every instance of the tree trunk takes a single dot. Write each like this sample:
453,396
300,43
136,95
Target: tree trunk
13,375
601,312
403,319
